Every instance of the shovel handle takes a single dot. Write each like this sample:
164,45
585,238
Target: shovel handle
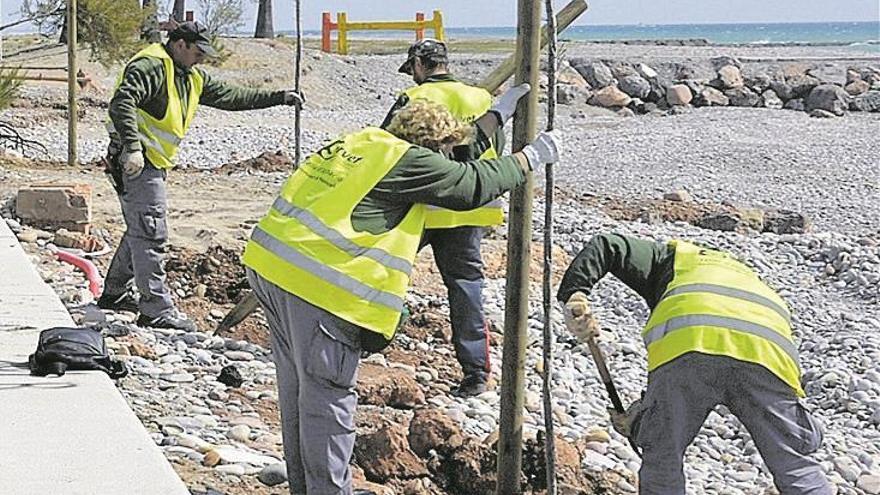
599,358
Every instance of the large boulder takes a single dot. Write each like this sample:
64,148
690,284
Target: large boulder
785,222
801,85
759,83
796,104
610,97
783,90
724,61
647,72
771,100
679,95
857,87
827,97
729,77
742,97
635,86
597,74
868,102
710,97
621,69
568,94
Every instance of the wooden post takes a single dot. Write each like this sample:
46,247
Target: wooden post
420,31
438,26
71,82
342,34
518,258
501,73
325,32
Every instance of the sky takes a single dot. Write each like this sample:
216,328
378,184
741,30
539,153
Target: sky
473,13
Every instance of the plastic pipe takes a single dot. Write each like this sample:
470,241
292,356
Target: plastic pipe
87,267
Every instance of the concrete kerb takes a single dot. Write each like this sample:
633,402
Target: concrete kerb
73,434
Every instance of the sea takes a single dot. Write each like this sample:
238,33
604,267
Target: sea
861,35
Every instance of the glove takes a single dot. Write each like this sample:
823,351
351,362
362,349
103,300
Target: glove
627,423
579,317
132,162
544,149
506,105
292,97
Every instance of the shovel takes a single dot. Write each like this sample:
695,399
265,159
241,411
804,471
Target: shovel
599,358
236,315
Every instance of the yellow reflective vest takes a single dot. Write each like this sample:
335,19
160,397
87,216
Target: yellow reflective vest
467,104
307,246
716,305
160,138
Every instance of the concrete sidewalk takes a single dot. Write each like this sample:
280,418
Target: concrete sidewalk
67,435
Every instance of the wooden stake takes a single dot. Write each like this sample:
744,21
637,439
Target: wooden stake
550,438
518,257
71,82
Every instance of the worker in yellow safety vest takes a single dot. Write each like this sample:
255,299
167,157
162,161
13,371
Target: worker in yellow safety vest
331,263
156,97
455,236
717,335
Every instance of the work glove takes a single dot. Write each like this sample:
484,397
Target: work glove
506,105
627,423
132,162
579,317
292,97
544,149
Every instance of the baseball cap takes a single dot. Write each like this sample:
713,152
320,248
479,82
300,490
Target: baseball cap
194,32
426,48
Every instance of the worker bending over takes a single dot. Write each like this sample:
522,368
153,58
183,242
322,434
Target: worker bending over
455,236
152,107
331,263
716,335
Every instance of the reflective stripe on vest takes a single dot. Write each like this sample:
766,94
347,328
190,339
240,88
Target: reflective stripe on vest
467,104
716,305
307,246
161,137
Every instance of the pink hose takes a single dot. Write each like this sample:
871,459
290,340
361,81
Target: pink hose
86,267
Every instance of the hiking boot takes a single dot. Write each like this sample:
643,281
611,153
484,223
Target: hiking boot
118,302
471,385
175,320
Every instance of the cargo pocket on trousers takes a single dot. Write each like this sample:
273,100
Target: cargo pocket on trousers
811,429
332,360
154,225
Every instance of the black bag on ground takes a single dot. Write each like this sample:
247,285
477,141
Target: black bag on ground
65,348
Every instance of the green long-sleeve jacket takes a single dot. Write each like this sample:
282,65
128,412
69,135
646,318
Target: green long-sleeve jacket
424,176
644,266
144,86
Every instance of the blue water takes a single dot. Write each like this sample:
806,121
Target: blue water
865,35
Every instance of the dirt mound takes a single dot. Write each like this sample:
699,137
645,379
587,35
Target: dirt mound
216,274
269,161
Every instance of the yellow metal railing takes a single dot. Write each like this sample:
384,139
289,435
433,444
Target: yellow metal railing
343,27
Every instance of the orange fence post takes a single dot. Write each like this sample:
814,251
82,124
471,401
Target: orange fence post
325,32
420,31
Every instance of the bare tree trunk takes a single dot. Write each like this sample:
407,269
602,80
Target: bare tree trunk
178,12
150,31
264,20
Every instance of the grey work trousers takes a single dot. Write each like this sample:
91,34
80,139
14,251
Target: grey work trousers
141,252
682,393
316,358
457,255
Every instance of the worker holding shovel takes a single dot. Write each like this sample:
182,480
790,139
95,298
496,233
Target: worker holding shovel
717,335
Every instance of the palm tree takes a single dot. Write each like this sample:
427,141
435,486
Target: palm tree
264,20
178,11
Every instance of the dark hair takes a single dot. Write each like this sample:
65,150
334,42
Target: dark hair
432,63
